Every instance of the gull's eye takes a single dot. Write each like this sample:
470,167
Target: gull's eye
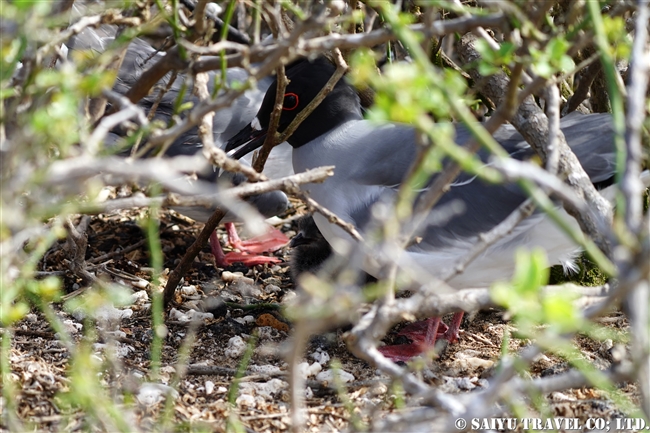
290,101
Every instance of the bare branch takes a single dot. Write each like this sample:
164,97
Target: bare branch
632,188
501,230
631,185
128,111
531,123
553,113
271,140
193,251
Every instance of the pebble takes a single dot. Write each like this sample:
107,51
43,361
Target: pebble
244,320
199,315
272,288
140,283
245,400
289,297
174,314
110,314
320,357
379,388
191,315
467,360
269,390
246,289
140,297
153,393
209,387
268,369
71,326
328,376
230,277
189,290
307,370
236,347
267,333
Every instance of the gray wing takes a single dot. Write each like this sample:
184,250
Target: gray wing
483,205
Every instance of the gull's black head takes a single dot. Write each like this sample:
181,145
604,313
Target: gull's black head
306,79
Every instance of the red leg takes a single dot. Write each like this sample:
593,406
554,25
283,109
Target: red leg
219,257
432,331
271,241
417,331
424,340
233,237
452,333
423,336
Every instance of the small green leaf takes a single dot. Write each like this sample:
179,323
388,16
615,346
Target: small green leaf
560,312
487,69
557,48
543,69
566,64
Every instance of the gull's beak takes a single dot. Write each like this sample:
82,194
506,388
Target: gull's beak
246,140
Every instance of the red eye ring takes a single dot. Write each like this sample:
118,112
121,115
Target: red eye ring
294,105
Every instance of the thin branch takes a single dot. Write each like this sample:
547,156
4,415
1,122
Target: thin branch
128,111
77,243
170,61
341,67
489,238
214,49
208,199
582,91
116,253
632,188
187,260
631,185
531,123
373,38
552,96
199,15
271,140
331,216
233,34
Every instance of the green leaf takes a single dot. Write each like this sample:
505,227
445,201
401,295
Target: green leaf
487,69
566,64
560,312
543,69
557,48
